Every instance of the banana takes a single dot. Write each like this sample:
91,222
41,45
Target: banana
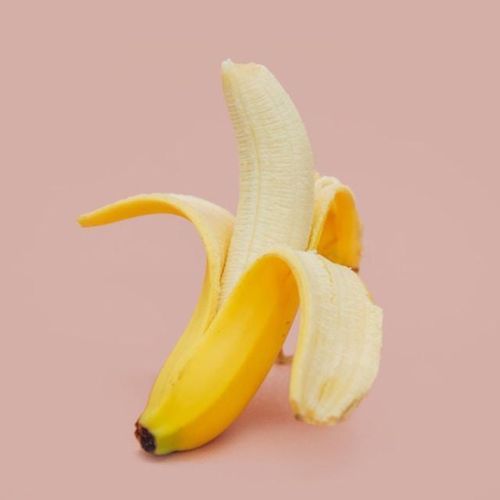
292,243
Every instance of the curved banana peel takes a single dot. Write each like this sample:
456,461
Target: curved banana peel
214,224
337,352
336,230
294,239
335,363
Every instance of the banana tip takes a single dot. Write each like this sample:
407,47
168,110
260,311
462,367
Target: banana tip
81,221
226,65
145,438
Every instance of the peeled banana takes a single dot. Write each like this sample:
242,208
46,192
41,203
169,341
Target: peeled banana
295,241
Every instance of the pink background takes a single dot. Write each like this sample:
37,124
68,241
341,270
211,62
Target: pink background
104,99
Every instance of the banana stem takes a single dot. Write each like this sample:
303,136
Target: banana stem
284,359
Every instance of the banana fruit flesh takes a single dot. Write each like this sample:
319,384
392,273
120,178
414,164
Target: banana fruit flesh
295,241
276,168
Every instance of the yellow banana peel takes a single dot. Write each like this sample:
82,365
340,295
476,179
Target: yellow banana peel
295,241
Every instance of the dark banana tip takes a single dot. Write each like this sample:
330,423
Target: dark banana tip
145,437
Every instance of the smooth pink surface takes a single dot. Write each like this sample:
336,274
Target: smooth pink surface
101,100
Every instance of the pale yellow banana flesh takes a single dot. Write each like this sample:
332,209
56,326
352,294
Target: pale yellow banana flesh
338,348
276,168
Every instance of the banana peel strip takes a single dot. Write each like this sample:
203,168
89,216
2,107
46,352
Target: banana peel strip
336,231
214,225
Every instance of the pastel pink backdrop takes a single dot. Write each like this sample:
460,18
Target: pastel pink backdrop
102,100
